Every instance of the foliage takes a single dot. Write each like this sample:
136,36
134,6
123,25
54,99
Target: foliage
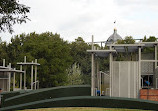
121,56
127,40
81,57
150,39
52,52
12,12
3,52
74,75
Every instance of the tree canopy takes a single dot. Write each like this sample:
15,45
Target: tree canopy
62,62
12,12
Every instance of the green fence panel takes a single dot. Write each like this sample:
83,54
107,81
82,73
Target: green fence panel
88,101
48,93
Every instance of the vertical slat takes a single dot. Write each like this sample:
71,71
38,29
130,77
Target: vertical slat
20,77
92,70
25,73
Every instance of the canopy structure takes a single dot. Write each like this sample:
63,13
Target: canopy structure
5,77
125,71
102,53
33,65
126,47
7,73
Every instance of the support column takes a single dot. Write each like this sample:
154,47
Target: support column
155,76
129,80
119,81
92,70
3,62
32,76
20,77
155,56
25,74
110,65
98,75
100,82
139,76
134,83
14,81
9,74
35,74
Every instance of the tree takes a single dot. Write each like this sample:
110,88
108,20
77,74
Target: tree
121,56
129,40
150,39
3,52
12,12
74,75
81,57
52,52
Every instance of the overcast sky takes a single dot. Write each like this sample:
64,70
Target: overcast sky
83,18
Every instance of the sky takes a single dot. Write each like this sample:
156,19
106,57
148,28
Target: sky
84,18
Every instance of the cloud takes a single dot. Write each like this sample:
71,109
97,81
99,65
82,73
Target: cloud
73,18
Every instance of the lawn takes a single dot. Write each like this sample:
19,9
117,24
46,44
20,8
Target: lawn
82,109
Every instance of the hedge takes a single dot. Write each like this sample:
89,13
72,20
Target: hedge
88,101
47,93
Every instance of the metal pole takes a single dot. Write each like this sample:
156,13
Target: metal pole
155,56
25,74
139,76
20,77
98,75
92,70
154,78
35,74
110,65
100,82
14,81
32,76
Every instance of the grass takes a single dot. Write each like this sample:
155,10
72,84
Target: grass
82,109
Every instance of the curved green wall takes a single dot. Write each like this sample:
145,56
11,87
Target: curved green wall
87,101
48,93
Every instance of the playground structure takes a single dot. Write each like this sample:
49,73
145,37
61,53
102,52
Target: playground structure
33,64
6,74
124,78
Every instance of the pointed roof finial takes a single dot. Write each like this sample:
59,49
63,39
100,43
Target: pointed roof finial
115,26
